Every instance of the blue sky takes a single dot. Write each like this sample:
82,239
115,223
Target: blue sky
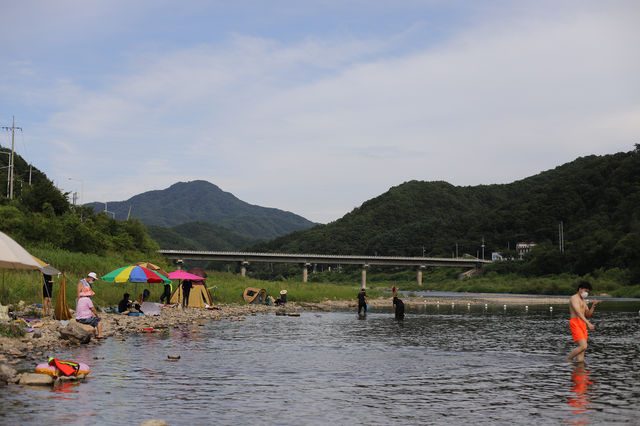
315,107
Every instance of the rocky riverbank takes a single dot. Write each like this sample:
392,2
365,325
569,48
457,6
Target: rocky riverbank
48,336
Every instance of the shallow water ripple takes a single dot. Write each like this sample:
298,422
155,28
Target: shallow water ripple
438,366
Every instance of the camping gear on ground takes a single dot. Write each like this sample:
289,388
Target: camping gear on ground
150,308
254,295
57,368
153,267
135,274
199,296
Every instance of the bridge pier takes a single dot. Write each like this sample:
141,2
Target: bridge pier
419,274
364,275
243,268
305,272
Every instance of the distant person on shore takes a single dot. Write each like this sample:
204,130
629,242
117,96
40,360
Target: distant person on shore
124,305
86,313
578,322
362,301
87,282
47,292
144,296
282,300
166,295
186,289
398,305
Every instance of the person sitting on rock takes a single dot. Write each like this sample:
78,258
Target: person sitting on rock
86,313
282,299
125,304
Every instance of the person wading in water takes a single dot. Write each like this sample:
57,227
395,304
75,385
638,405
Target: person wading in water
578,322
362,301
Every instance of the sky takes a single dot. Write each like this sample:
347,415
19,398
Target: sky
314,107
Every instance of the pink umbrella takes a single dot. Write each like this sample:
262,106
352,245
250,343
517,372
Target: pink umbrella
183,275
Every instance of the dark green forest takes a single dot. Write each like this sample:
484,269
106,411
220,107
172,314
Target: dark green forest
596,198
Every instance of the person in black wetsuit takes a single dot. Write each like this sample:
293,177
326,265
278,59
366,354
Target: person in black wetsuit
398,305
362,301
186,289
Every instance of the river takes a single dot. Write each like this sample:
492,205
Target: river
440,365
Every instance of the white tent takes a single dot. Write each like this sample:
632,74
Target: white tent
14,256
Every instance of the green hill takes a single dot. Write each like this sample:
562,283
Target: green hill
198,236
596,198
203,202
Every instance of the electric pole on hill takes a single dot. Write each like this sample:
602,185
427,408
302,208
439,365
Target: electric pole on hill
11,164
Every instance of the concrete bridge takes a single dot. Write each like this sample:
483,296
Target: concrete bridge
307,260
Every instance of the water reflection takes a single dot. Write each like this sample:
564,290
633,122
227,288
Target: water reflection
580,393
439,365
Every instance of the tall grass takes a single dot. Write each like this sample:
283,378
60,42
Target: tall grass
27,285
229,287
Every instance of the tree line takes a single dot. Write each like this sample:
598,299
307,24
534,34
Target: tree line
595,198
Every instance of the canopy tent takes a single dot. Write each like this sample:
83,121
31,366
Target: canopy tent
199,295
135,274
153,267
14,256
183,275
46,268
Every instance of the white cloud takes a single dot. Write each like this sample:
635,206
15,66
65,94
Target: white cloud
317,127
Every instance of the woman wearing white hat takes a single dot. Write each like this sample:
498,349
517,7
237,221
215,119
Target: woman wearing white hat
283,298
86,282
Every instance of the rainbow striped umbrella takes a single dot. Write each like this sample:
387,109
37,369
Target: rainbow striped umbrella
135,274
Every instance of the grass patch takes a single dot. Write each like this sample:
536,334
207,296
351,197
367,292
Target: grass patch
11,330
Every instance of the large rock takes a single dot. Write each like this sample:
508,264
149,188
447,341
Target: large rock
7,374
76,333
35,379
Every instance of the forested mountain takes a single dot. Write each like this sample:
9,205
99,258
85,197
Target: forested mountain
596,198
198,236
204,202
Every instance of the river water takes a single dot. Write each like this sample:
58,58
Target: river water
440,365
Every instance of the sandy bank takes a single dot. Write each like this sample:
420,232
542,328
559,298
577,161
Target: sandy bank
461,299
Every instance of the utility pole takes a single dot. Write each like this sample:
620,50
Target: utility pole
11,162
482,248
561,236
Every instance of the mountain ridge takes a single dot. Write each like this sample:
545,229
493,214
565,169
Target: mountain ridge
204,202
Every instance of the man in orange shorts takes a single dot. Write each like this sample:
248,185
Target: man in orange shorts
578,322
